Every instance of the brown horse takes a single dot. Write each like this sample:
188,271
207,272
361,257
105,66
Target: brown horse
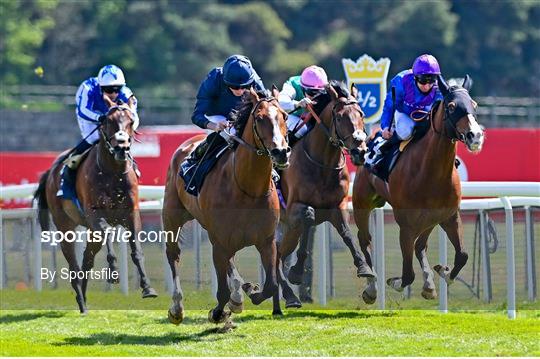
237,205
316,186
107,190
424,190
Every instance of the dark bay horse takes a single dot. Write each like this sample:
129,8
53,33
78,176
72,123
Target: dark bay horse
424,190
237,205
316,185
107,190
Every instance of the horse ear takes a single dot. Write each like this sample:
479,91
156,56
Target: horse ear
467,83
275,91
332,91
354,91
443,86
253,95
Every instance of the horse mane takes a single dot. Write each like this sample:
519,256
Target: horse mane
239,115
324,98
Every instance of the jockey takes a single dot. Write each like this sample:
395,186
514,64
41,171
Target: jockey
91,110
415,91
220,93
297,93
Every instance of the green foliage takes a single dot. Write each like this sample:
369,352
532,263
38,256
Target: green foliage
173,44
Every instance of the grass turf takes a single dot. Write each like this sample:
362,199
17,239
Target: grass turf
298,333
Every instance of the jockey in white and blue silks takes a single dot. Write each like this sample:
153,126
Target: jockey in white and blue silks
415,90
91,110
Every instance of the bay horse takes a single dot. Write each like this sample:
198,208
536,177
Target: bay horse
424,190
316,186
108,193
237,204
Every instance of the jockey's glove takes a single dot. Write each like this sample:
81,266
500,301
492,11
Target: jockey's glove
102,118
304,103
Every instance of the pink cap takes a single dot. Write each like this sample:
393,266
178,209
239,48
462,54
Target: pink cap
313,77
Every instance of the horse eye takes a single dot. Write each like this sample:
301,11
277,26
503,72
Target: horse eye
451,107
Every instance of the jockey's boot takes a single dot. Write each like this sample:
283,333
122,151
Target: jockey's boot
69,171
384,147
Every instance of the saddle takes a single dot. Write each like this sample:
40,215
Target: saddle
392,151
200,162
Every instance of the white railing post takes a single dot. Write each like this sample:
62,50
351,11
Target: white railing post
1,250
379,254
531,282
123,268
510,259
321,234
36,239
443,287
484,248
196,231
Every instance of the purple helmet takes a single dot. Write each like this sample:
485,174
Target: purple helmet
426,65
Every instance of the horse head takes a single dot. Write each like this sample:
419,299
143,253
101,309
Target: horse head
269,128
460,115
117,130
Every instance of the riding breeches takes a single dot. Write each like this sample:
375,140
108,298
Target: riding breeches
292,122
404,125
86,128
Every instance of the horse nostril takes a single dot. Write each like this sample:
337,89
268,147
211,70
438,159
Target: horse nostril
470,136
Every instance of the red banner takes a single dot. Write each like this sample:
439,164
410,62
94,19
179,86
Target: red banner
508,155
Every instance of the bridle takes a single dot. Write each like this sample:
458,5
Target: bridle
260,148
107,139
332,133
449,125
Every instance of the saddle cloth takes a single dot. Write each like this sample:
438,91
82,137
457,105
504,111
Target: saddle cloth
194,169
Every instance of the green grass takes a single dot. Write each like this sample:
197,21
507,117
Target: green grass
298,333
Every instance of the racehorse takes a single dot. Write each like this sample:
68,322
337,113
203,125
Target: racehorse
237,204
107,191
316,185
424,190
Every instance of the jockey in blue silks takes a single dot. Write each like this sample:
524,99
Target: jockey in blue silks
91,110
220,93
415,90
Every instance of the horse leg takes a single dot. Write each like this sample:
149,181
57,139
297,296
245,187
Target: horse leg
236,302
174,216
221,264
68,249
429,290
133,224
406,241
361,216
306,217
340,220
454,229
268,253
92,248
112,260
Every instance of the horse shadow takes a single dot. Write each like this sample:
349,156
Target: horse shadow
23,317
350,314
106,338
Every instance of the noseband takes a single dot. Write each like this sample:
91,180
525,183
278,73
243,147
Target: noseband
449,125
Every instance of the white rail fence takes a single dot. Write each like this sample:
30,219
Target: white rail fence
509,196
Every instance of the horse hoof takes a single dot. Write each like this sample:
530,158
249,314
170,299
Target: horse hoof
293,303
113,280
277,313
395,283
250,288
222,318
176,319
84,313
429,294
295,277
368,299
444,272
365,272
236,308
149,293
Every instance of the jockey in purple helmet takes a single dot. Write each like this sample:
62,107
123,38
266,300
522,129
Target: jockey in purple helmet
415,90
297,93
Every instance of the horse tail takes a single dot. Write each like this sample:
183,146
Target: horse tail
41,196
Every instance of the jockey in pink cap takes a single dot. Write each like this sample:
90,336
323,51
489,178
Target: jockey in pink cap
298,92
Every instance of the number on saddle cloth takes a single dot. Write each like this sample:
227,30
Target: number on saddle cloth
381,156
201,161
